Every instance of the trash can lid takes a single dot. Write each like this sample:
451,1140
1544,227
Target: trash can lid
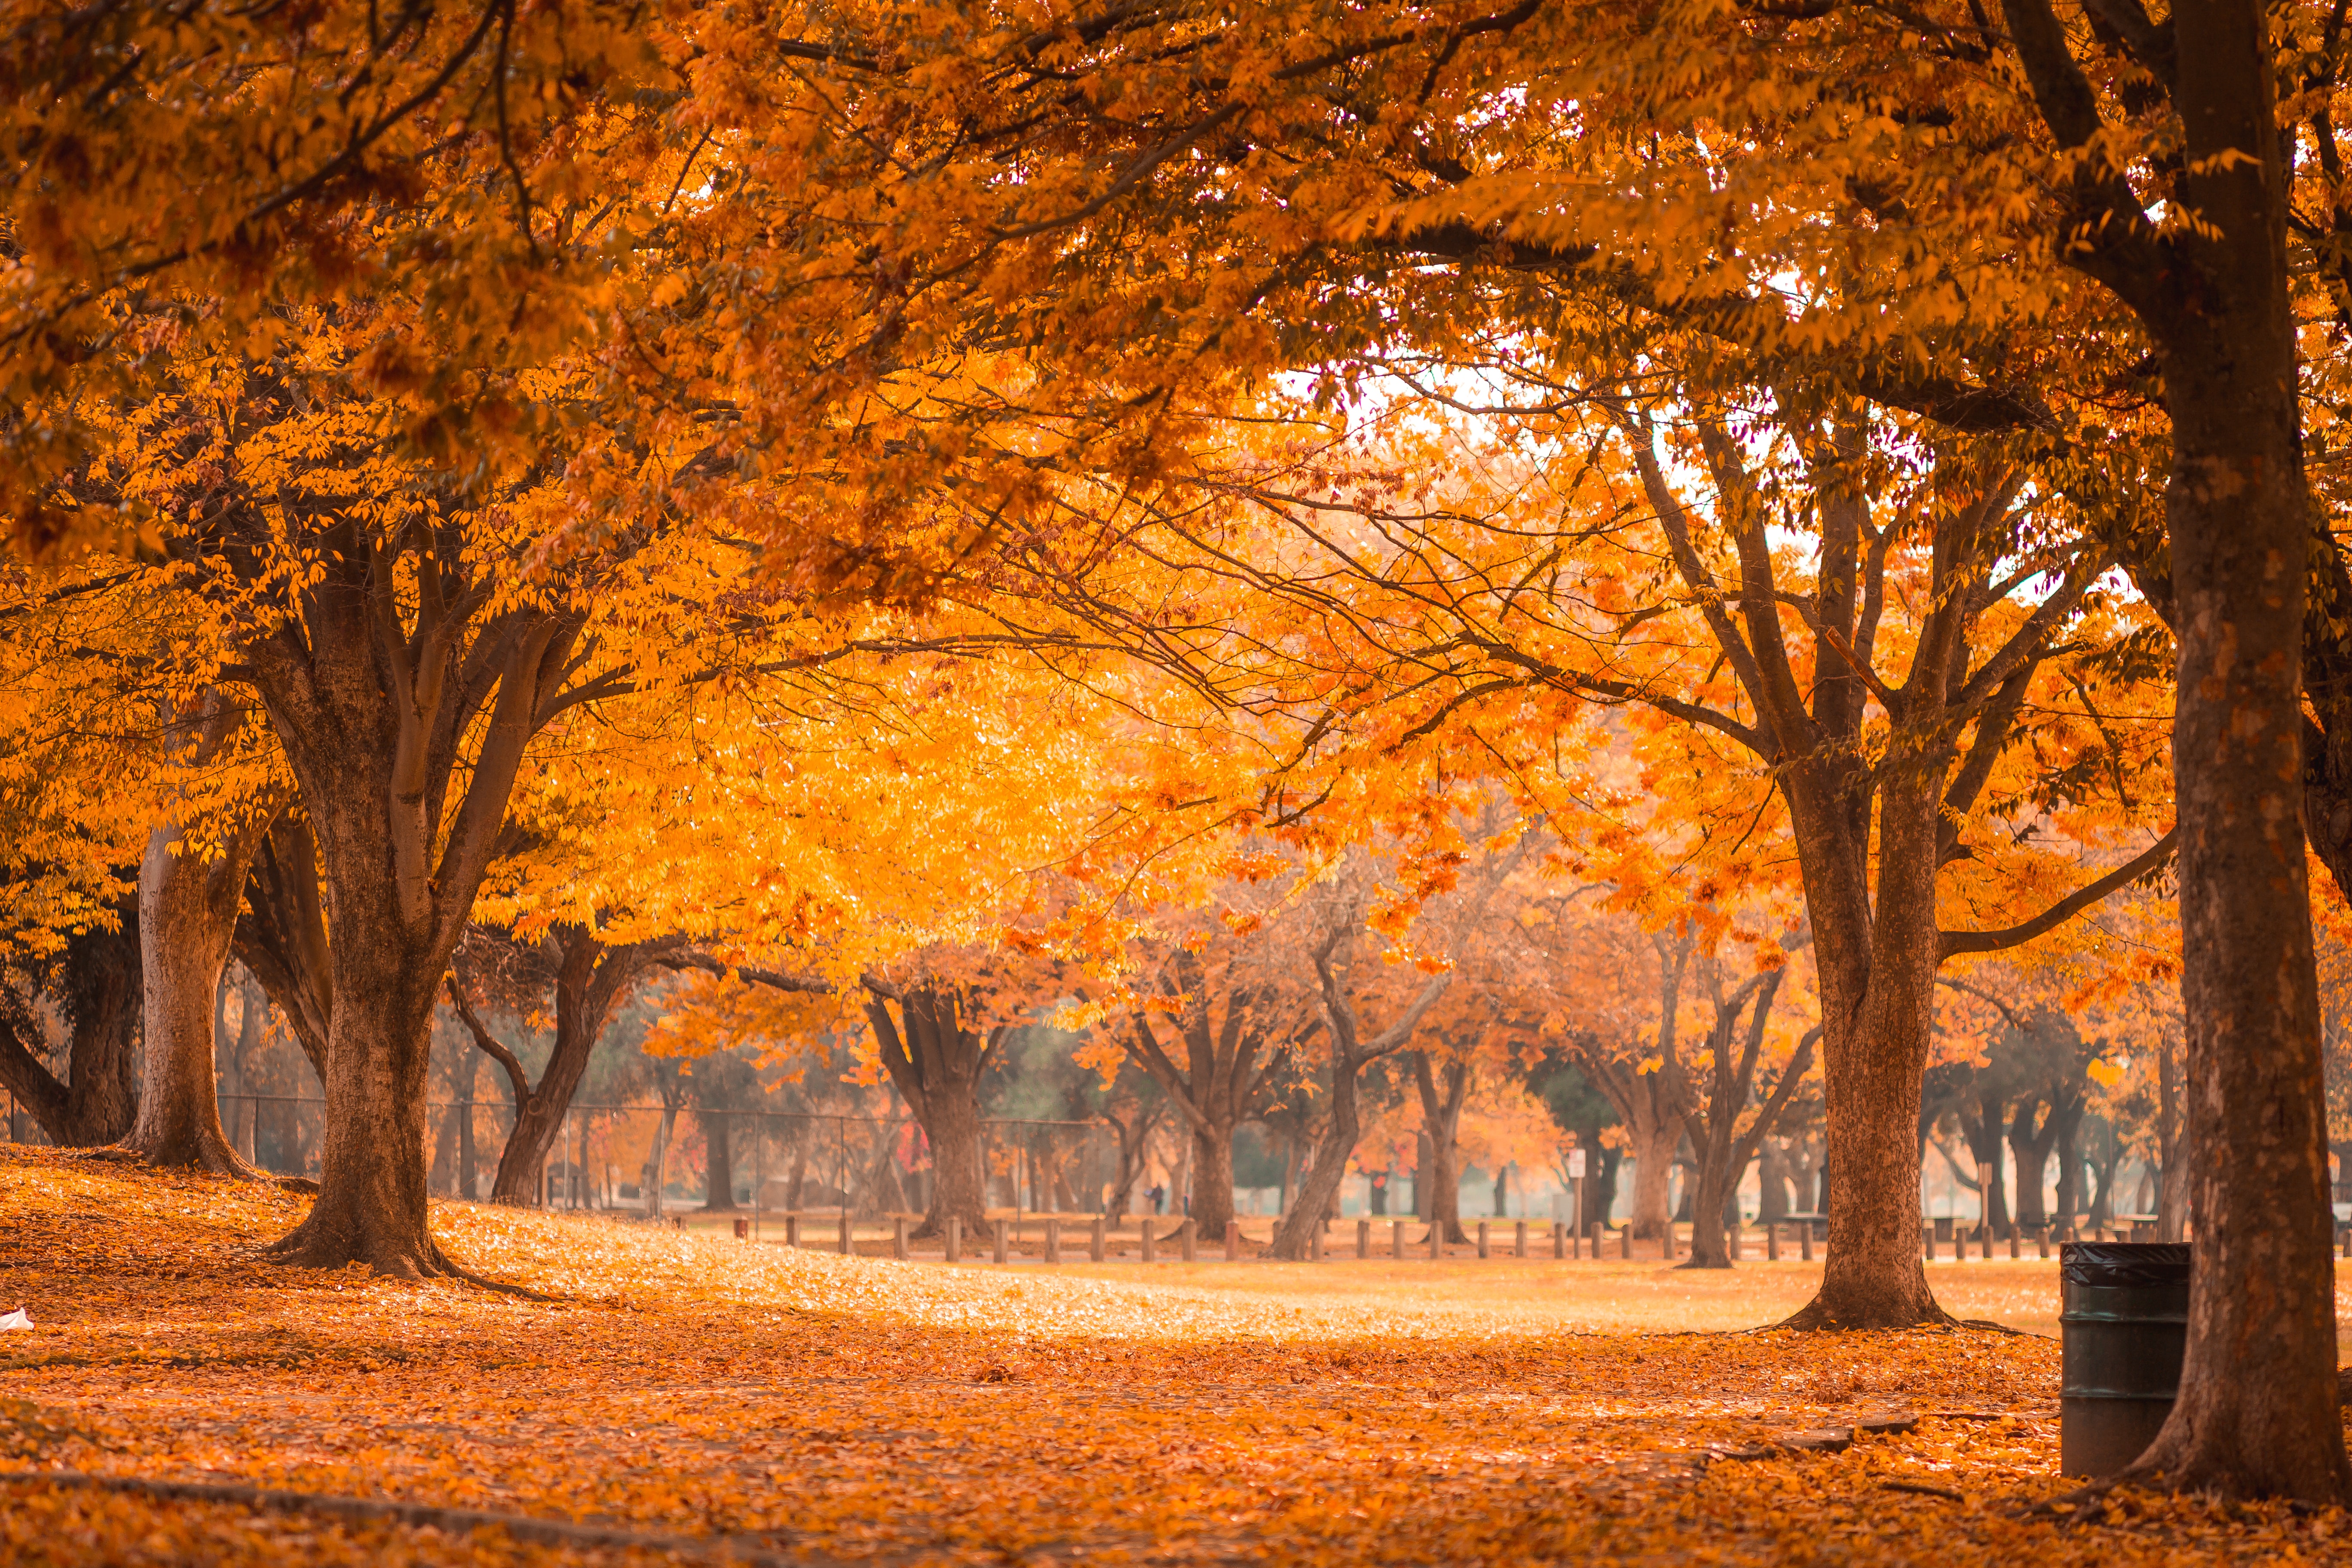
2126,1263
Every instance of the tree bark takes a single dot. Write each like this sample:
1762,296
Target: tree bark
2257,1413
96,982
377,706
1654,1135
1228,1049
1440,1121
935,1057
717,1161
188,912
1724,1147
589,980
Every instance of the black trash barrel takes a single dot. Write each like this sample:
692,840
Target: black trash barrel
2124,1327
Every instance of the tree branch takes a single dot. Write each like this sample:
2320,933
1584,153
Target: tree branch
2065,909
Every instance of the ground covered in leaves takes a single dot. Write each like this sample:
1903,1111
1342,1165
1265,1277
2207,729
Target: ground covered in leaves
693,1398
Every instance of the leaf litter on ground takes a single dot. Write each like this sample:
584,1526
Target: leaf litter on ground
799,1406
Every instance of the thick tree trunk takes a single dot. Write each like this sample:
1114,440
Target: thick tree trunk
1873,1275
1986,1131
2257,1412
1655,1138
1772,1181
98,983
957,1188
373,1203
717,1161
188,910
1718,1181
1212,1180
936,1059
1444,1091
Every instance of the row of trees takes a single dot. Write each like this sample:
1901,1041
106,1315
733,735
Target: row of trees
1713,454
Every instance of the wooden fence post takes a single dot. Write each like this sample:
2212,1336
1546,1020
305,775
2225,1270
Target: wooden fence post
1772,1242
1095,1241
1625,1238
955,1239
1150,1242
1928,1239
1436,1239
1186,1233
999,1235
1731,1247
1519,1240
899,1237
1363,1239
1482,1239
848,1249
2041,1240
1315,1245
1053,1241
791,1230
2013,1240
1666,1242
1396,1239
1233,1241
1805,1240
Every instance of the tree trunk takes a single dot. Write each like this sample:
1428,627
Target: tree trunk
1873,1275
1440,1120
591,979
1986,1131
1653,1137
98,984
441,1175
1212,1180
2258,1413
1772,1181
656,1168
188,911
2070,1169
2172,1192
372,1203
717,1161
466,1157
936,1059
1291,1237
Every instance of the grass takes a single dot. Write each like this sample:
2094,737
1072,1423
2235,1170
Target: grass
821,1409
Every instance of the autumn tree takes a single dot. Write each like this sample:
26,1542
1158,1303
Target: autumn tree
1227,987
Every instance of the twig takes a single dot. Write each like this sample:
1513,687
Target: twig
1923,1488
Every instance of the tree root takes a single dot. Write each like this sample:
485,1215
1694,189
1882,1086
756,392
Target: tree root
297,1250
423,1516
1813,1318
227,1164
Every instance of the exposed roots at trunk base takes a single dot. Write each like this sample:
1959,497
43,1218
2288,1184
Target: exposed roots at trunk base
1718,1263
202,1156
319,1243
1815,1317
